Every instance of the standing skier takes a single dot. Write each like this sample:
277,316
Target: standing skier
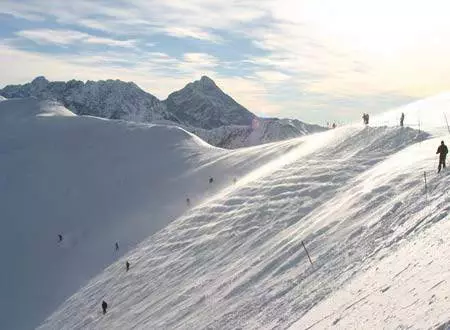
127,265
104,306
442,151
60,238
402,118
117,246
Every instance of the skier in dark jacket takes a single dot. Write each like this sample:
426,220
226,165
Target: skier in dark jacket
104,306
127,265
402,118
442,151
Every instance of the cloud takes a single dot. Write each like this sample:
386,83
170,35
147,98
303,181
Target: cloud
272,76
291,56
68,37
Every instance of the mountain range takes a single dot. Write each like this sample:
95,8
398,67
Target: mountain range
201,107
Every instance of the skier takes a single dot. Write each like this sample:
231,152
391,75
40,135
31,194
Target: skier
334,125
365,118
211,180
188,202
104,306
127,265
442,151
402,118
117,246
60,238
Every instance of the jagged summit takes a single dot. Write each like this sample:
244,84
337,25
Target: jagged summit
203,104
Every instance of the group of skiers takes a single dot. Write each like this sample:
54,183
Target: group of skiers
365,118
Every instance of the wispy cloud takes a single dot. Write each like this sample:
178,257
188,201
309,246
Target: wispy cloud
67,37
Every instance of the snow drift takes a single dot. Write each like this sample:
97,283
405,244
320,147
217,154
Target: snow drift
356,197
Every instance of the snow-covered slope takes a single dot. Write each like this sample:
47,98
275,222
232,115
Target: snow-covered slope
262,130
95,182
201,107
354,195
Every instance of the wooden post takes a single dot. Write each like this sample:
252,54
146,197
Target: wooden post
426,186
445,116
307,253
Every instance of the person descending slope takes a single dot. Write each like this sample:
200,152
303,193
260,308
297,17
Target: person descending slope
104,306
442,151
60,238
127,265
402,118
117,246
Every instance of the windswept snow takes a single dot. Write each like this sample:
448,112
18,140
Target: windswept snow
95,182
353,195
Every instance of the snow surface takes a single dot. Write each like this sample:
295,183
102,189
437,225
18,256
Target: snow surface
355,195
96,182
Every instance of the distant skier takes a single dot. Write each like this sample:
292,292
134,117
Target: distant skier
334,125
104,306
127,265
60,238
117,246
402,118
442,151
365,118
211,180
188,202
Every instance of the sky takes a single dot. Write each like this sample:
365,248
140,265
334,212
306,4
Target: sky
315,60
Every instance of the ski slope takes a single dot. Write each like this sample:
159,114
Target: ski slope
356,197
96,182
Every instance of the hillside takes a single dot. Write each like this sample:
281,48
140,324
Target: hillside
95,182
354,195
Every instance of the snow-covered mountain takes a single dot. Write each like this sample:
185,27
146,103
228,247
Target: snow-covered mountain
355,196
202,104
112,99
233,255
95,182
201,107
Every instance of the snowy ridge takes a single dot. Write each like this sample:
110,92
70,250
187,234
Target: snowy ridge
96,182
263,130
354,195
201,107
